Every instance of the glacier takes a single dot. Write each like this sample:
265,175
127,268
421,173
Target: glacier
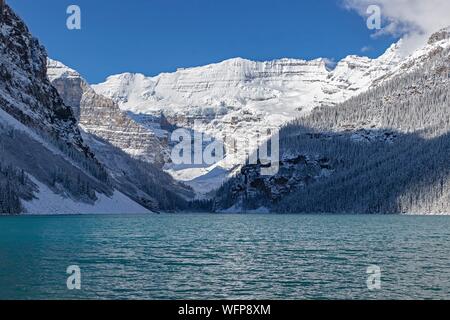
239,99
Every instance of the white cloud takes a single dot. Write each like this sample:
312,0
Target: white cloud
366,49
415,20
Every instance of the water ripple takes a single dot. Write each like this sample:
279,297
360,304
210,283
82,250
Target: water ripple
225,257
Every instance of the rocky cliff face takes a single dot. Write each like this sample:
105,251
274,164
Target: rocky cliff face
439,36
132,152
249,190
42,149
26,93
101,117
47,164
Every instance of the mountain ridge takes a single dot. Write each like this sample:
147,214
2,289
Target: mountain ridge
48,165
240,98
105,145
384,151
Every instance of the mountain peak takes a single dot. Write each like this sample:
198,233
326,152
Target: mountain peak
443,34
56,69
25,92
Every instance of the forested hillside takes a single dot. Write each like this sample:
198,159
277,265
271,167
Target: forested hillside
384,151
47,164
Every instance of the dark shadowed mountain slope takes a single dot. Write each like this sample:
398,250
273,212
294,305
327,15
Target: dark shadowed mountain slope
384,151
132,154
46,166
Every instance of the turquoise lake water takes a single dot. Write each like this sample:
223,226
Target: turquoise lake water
225,256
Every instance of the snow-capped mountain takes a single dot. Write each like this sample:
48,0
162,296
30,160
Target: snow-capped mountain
67,147
133,153
280,87
242,99
47,163
100,116
383,151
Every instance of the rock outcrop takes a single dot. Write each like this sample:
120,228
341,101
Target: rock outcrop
102,117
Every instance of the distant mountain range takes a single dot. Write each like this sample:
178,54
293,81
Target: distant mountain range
240,99
363,136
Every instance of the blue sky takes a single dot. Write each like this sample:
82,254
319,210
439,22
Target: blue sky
154,36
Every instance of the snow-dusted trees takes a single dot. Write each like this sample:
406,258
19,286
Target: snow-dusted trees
390,149
13,186
65,170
